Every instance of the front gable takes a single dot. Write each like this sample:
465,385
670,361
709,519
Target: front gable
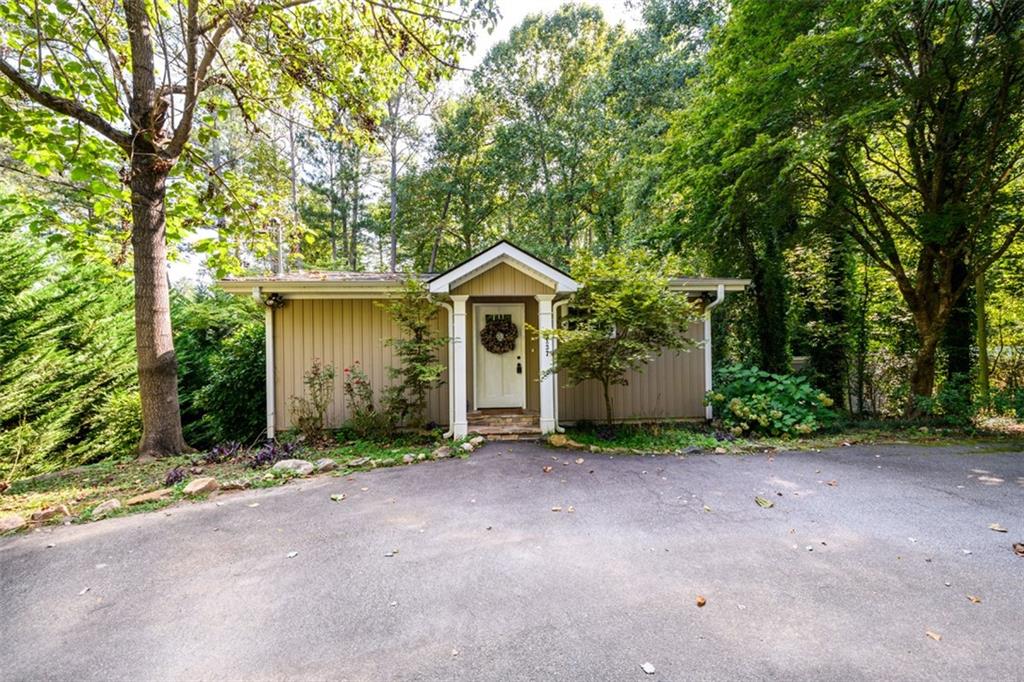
503,266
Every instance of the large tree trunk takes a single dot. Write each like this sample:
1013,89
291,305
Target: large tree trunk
922,376
158,366
958,337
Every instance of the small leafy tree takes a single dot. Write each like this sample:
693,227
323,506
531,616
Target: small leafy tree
622,315
413,310
310,410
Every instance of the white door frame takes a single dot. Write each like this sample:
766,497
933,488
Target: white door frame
476,342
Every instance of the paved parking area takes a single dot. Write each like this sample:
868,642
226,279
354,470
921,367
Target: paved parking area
837,581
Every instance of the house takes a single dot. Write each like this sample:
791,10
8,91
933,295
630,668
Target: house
334,317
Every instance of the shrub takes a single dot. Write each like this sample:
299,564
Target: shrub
365,420
219,341
222,452
174,476
1009,402
310,410
952,403
750,400
117,424
420,370
270,453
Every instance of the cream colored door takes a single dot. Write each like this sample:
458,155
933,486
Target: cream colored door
500,377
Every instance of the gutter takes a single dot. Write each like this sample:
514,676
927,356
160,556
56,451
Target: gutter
719,297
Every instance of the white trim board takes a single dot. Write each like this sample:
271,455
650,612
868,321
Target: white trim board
503,252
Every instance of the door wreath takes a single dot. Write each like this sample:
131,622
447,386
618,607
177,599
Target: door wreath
499,335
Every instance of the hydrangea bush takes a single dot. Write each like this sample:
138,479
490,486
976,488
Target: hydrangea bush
749,400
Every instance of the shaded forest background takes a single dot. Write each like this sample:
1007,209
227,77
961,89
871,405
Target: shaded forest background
859,161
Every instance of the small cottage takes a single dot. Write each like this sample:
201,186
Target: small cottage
496,381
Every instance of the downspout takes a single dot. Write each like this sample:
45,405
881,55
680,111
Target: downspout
268,352
554,314
451,361
719,297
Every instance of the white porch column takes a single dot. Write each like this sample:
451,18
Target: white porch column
460,427
268,352
546,320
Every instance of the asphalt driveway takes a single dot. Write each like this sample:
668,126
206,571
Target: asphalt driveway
835,581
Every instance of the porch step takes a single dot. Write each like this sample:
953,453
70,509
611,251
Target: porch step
507,432
513,419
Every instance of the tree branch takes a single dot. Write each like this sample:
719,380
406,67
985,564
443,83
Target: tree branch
68,107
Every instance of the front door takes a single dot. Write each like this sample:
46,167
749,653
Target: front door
500,374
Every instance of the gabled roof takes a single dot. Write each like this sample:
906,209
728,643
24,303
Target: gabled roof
504,252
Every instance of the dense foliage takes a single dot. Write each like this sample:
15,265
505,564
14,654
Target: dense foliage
68,392
750,400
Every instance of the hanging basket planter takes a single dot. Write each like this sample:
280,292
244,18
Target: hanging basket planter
499,335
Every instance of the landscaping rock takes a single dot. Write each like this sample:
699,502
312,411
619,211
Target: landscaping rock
362,461
325,464
720,450
408,459
420,457
154,496
442,452
468,447
477,441
297,466
207,484
558,440
50,512
11,522
235,484
105,508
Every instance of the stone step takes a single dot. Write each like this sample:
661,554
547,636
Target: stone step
499,432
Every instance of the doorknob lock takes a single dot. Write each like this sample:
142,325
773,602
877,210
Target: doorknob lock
519,368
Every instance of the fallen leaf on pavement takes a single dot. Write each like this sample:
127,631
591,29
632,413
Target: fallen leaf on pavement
255,504
761,502
647,668
832,484
292,555
84,591
973,599
707,508
338,498
556,509
571,509
547,470
579,460
1018,548
996,527
934,635
701,601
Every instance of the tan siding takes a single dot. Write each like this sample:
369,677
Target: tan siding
502,280
671,386
339,332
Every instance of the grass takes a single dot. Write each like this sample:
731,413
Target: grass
82,488
677,437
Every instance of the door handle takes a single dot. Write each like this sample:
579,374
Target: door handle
519,368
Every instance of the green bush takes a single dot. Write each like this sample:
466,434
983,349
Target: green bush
67,345
309,411
750,400
219,341
1009,402
365,421
952,403
232,402
117,424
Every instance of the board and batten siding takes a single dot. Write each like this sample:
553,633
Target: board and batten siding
671,386
340,332
502,280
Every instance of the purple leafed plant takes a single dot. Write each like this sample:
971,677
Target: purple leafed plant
222,452
270,453
174,476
